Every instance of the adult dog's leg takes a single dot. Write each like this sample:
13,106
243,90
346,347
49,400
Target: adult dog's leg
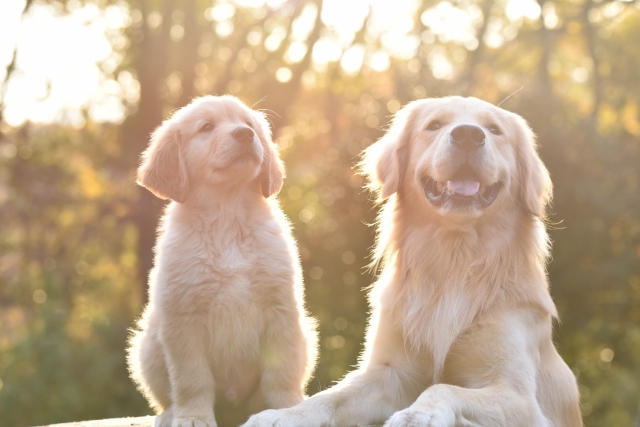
185,339
504,355
363,397
557,390
386,382
445,405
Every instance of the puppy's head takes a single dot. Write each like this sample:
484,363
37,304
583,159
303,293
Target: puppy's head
459,157
215,142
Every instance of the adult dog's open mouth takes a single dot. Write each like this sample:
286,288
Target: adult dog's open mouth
462,191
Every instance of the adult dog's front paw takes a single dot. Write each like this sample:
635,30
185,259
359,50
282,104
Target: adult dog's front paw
194,422
416,417
273,418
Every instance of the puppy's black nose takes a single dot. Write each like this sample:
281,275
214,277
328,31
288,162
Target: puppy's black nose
243,135
467,137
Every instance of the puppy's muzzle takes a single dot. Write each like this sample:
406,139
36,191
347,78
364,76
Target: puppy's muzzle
246,151
243,135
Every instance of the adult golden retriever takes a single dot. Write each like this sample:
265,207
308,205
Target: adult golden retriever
225,323
461,328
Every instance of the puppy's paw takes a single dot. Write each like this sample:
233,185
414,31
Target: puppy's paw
273,418
164,419
194,422
416,417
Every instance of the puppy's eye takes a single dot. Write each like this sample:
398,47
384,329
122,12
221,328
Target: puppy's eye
434,125
206,127
494,129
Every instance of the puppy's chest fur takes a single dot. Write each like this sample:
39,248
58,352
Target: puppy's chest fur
228,273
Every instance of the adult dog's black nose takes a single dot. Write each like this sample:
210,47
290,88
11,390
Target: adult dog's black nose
467,137
243,134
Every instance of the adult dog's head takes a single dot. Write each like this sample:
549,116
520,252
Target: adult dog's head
459,158
214,143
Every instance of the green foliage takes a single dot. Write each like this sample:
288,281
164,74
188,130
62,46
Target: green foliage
69,287
73,232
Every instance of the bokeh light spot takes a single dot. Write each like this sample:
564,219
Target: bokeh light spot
349,278
283,74
348,257
39,296
606,355
316,273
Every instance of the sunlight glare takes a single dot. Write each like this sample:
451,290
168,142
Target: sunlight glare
295,52
222,12
326,50
71,69
344,17
493,37
272,42
9,24
392,22
549,16
441,68
302,26
517,10
74,50
450,23
379,61
352,59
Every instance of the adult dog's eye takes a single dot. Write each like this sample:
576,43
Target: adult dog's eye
494,129
206,127
434,125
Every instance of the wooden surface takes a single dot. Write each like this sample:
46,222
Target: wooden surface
114,422
126,422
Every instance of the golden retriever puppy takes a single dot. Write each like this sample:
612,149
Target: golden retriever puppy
225,323
461,328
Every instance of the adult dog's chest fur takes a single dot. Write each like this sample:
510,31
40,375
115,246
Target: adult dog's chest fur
435,307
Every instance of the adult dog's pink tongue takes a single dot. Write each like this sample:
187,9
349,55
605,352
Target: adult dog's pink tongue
464,187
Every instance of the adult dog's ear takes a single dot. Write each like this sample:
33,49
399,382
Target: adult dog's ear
385,162
162,168
535,188
272,170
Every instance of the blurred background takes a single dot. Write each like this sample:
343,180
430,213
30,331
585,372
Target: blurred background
83,83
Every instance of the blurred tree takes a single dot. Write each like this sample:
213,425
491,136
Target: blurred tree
77,234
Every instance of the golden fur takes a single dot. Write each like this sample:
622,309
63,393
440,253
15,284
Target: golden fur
225,323
461,328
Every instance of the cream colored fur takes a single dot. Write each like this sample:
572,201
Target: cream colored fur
461,328
225,321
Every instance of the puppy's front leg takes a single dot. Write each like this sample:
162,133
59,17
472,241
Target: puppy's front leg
283,361
185,339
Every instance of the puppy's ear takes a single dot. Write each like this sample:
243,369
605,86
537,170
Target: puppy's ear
385,162
272,171
535,188
162,169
